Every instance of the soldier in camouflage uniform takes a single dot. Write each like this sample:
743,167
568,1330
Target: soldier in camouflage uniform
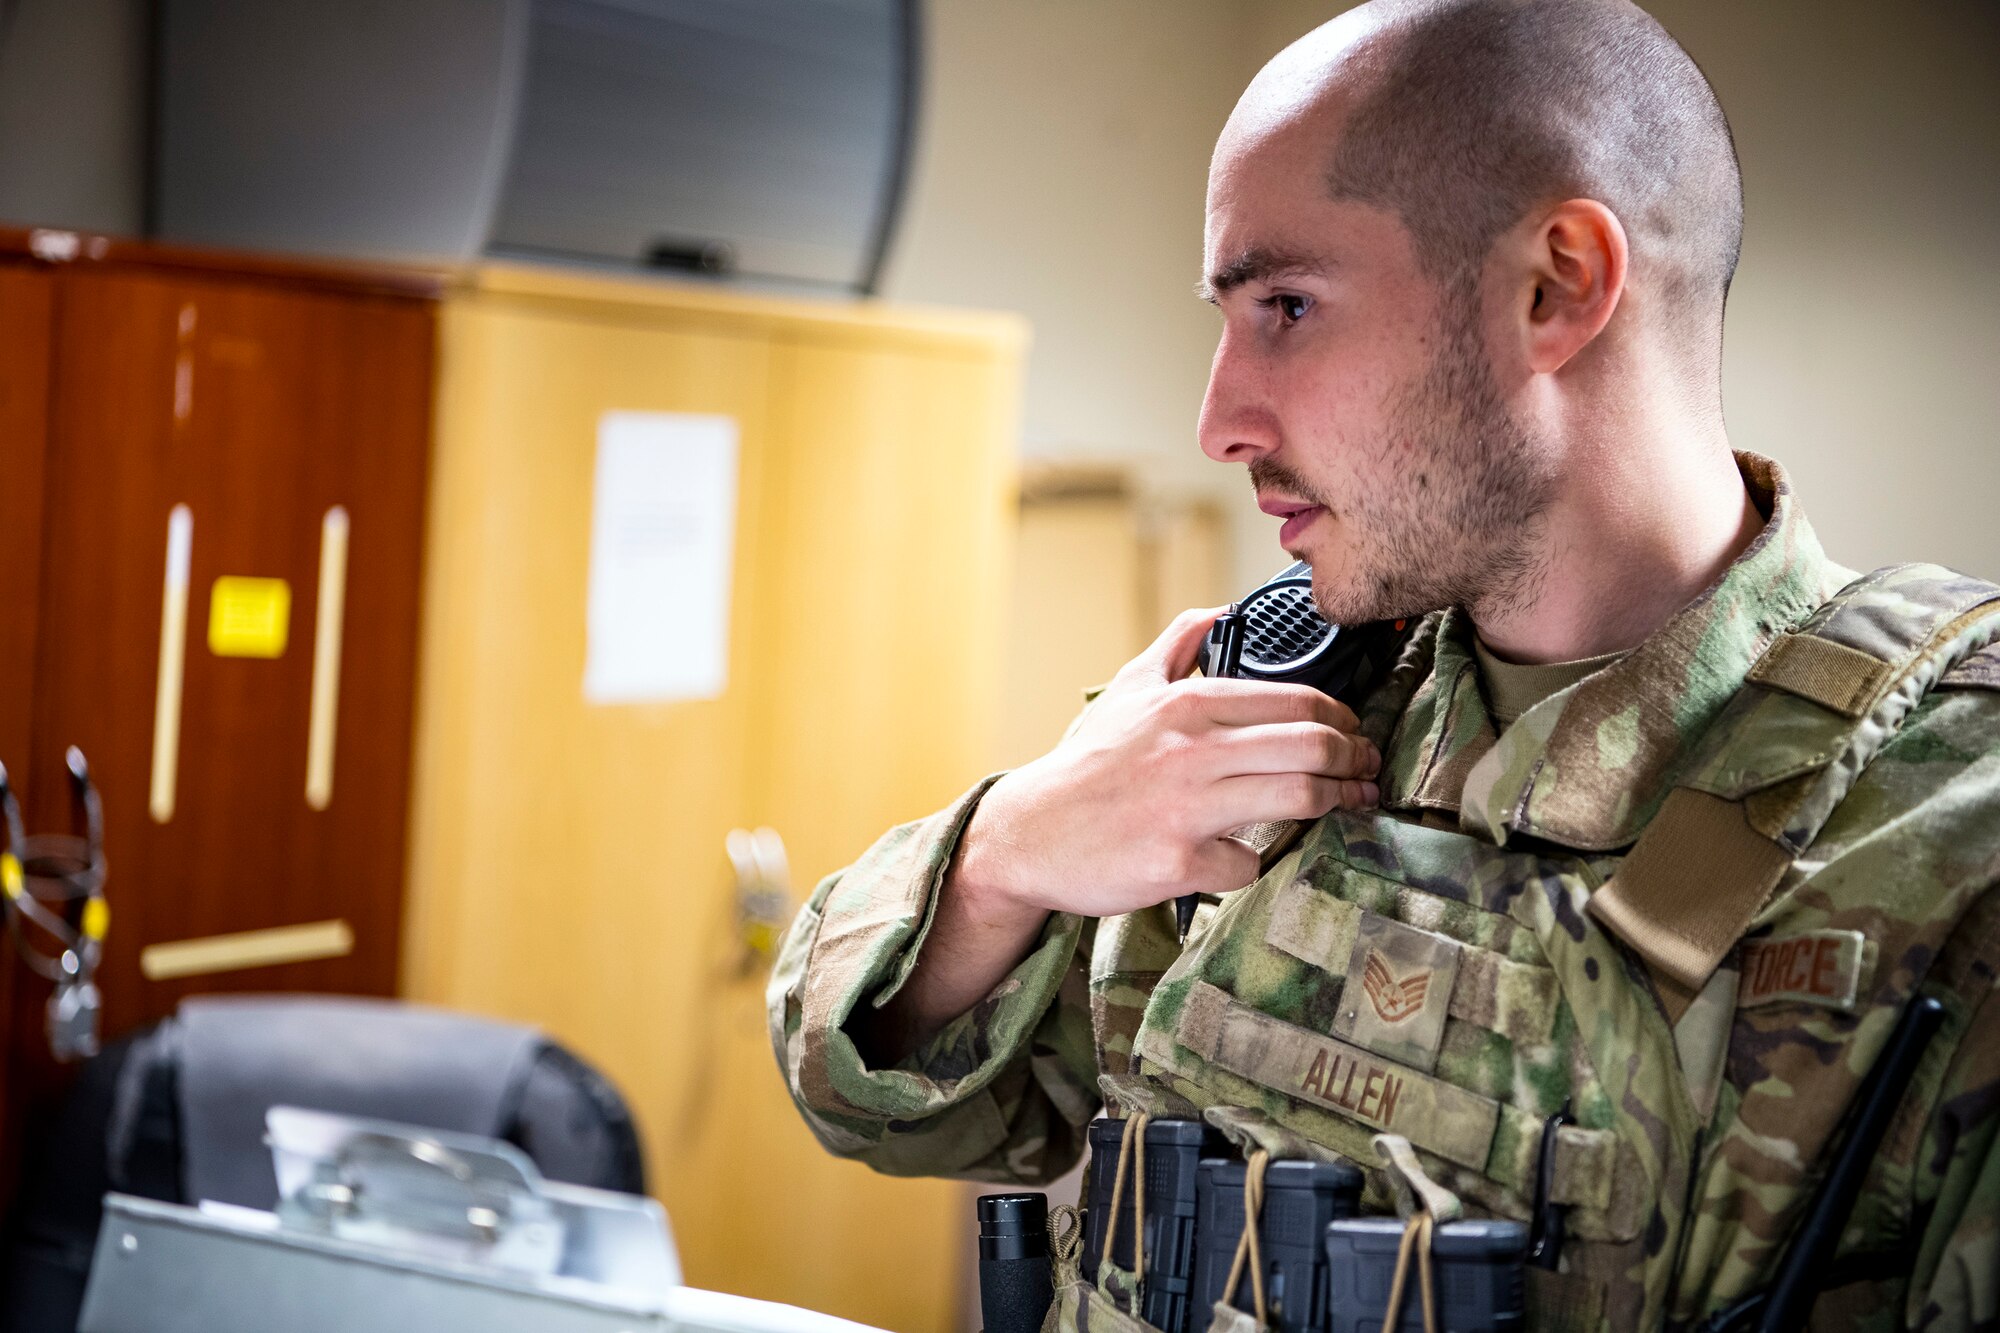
1682,888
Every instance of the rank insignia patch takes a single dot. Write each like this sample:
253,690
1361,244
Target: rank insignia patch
1394,998
1398,990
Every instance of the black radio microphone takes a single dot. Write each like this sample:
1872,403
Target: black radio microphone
1277,634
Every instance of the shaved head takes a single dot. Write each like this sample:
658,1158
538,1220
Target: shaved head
1464,116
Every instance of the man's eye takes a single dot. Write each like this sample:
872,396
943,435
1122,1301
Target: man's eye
1291,309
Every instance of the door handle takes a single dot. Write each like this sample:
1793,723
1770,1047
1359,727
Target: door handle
763,890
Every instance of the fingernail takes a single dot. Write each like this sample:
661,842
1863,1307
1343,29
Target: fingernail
1374,761
1371,794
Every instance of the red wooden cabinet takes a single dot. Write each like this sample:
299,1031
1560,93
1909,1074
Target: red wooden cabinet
26,304
284,413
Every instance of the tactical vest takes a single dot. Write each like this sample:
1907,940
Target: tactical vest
1391,975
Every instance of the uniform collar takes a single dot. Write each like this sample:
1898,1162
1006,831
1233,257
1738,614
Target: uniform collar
1588,766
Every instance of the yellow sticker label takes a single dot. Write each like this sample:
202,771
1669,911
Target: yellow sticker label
249,617
10,874
96,919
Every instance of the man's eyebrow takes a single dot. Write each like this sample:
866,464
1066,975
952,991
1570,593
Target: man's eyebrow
1257,264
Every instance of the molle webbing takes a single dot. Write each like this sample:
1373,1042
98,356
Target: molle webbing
1819,704
1363,1095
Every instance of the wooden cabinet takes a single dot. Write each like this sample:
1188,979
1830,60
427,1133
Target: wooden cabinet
567,863
257,411
26,302
26,295
256,434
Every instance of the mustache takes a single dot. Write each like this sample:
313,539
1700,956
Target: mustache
1268,474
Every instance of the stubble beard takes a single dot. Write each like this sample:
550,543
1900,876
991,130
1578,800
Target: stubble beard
1460,520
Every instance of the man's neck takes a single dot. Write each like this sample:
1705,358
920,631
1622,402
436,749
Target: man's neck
1635,535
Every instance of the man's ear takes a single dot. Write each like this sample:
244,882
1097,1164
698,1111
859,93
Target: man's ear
1577,257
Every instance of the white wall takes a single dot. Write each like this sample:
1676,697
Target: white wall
1863,339
1060,171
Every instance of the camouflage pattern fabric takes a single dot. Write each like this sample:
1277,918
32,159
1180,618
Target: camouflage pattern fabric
1432,968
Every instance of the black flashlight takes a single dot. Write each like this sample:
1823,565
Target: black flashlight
1014,1283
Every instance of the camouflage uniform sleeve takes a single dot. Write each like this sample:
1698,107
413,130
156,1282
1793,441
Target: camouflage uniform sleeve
1957,1273
1001,1093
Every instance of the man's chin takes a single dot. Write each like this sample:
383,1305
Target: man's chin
1334,594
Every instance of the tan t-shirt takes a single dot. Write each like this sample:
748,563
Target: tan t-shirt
1512,688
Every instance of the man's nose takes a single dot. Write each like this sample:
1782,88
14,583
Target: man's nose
1237,423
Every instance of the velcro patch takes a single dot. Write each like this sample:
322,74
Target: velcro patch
1398,990
1824,967
1832,675
1516,1000
1312,926
1324,1071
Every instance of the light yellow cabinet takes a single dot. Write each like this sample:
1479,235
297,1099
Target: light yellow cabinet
567,859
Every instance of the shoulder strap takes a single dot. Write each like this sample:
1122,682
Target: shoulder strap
1981,671
1815,708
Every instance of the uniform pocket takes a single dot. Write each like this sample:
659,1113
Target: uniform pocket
1080,1307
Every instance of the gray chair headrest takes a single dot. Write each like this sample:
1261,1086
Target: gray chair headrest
242,1055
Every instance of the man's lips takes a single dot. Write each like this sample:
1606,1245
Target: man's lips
1298,516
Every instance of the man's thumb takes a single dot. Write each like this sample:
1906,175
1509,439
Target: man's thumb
1172,655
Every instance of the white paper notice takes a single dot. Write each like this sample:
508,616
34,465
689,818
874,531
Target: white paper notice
662,527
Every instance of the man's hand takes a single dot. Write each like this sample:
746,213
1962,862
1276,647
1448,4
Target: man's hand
1131,809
